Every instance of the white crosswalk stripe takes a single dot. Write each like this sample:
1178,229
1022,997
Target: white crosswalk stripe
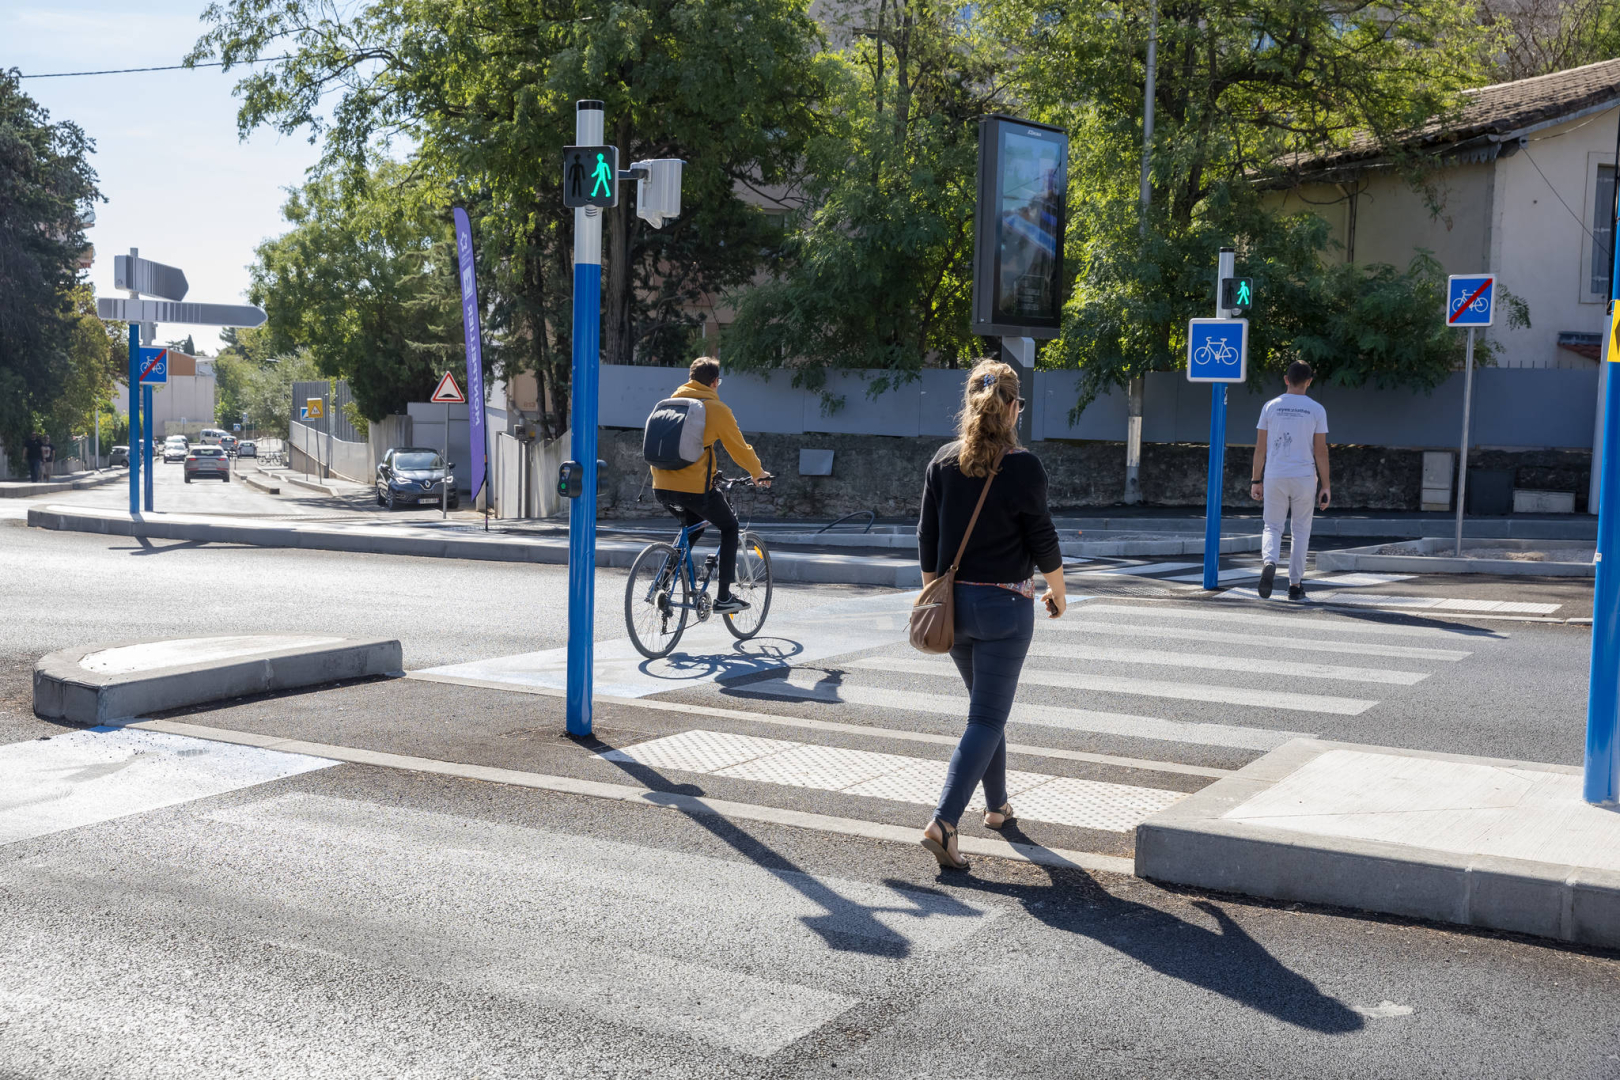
1232,573
1145,568
1259,641
1061,800
1261,665
1223,695
1305,620
810,685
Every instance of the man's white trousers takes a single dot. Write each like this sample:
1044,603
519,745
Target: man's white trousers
1289,497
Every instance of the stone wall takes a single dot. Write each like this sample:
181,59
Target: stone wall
884,474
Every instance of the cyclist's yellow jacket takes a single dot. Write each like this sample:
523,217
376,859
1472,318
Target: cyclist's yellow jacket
719,425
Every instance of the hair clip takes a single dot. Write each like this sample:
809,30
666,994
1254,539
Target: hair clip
989,381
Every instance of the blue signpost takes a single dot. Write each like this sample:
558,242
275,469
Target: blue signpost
588,126
1602,784
1470,303
134,418
154,372
1217,353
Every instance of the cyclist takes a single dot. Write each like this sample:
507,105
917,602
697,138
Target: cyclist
690,493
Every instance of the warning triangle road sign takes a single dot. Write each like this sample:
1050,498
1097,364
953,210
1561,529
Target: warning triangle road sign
448,392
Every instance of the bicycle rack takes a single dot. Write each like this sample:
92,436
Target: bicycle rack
871,519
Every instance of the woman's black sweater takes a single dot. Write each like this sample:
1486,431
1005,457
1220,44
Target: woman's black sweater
1014,536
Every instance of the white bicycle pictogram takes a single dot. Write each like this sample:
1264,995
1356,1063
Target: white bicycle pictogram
1480,305
1215,351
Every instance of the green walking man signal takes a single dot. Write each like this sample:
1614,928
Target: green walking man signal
1237,293
591,176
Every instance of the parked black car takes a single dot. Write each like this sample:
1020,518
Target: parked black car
415,474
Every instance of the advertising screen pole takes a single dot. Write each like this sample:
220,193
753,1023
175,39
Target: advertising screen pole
588,128
1602,782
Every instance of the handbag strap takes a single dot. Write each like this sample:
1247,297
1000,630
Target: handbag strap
974,520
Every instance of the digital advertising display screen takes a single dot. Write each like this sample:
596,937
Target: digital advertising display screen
1018,228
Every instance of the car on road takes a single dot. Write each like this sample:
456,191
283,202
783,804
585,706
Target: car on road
228,443
210,436
247,449
175,448
207,462
415,474
118,455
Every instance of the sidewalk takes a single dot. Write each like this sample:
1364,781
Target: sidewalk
22,489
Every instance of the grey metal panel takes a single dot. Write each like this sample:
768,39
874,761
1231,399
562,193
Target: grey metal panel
893,412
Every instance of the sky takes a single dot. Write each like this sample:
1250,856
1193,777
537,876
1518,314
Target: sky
179,184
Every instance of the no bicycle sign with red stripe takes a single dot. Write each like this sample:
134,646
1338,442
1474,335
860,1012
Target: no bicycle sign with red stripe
1470,299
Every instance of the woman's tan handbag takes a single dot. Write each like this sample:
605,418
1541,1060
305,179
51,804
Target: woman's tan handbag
933,616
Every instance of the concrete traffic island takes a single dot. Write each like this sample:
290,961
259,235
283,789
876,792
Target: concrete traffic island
99,683
1434,555
1506,845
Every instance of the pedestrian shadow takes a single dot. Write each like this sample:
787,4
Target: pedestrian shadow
145,546
1225,961
845,925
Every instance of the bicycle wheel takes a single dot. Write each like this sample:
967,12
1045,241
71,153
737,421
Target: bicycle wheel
753,584
655,601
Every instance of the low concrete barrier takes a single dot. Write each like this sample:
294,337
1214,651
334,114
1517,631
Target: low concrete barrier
99,683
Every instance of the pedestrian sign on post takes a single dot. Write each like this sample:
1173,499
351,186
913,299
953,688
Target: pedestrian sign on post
314,408
1237,294
1217,350
1470,299
154,367
591,176
448,392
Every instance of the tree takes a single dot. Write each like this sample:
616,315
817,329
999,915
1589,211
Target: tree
363,283
185,345
1243,87
1543,36
876,268
252,379
46,185
484,91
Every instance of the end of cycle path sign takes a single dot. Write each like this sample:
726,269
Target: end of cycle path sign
1217,350
1470,299
154,367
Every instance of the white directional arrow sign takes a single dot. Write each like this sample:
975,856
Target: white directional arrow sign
149,278
165,311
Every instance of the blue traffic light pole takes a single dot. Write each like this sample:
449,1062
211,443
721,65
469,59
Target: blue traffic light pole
582,409
134,418
1217,444
1602,783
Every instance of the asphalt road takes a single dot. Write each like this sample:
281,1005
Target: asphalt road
360,921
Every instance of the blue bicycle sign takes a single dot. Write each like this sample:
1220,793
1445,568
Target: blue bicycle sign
1217,350
1470,299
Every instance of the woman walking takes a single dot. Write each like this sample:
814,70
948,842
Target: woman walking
1007,540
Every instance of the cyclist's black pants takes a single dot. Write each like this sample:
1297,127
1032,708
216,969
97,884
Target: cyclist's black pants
691,507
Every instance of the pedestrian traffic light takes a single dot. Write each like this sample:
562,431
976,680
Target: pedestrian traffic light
570,479
1237,293
591,176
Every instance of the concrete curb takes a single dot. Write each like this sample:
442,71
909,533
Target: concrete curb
786,566
1193,843
64,689
22,489
1419,563
258,485
311,485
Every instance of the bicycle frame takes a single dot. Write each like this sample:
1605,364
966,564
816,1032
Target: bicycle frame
685,565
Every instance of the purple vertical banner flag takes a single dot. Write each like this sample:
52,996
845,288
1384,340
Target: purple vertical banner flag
477,446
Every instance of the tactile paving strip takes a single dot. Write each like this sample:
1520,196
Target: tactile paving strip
1061,800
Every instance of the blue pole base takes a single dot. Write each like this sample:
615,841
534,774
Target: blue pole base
1212,489
1601,785
582,510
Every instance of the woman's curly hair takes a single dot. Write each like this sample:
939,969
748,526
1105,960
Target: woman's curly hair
982,425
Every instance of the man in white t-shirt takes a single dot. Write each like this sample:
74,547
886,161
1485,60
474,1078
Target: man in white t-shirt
1291,475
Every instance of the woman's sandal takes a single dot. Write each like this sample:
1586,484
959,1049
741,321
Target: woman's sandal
942,848
1003,817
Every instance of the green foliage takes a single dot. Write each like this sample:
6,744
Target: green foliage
47,362
249,378
876,269
364,284
484,90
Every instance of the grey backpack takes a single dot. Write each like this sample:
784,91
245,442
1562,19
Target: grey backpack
673,438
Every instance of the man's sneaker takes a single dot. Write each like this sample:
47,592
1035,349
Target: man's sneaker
1268,574
1296,592
731,605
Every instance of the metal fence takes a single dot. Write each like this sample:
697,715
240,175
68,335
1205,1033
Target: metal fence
336,396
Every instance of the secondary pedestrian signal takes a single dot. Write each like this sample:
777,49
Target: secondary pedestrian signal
1237,293
448,392
591,176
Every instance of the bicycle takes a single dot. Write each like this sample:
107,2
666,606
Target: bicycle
1217,351
664,587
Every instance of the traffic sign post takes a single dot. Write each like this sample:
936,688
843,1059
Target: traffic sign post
146,443
1218,353
447,394
1470,302
1601,785
134,419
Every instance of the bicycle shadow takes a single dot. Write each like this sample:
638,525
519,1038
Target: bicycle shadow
746,658
845,925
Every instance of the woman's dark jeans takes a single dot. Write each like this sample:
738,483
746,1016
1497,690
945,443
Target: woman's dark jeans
993,630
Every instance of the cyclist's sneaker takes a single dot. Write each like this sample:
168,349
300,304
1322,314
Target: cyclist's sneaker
731,605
